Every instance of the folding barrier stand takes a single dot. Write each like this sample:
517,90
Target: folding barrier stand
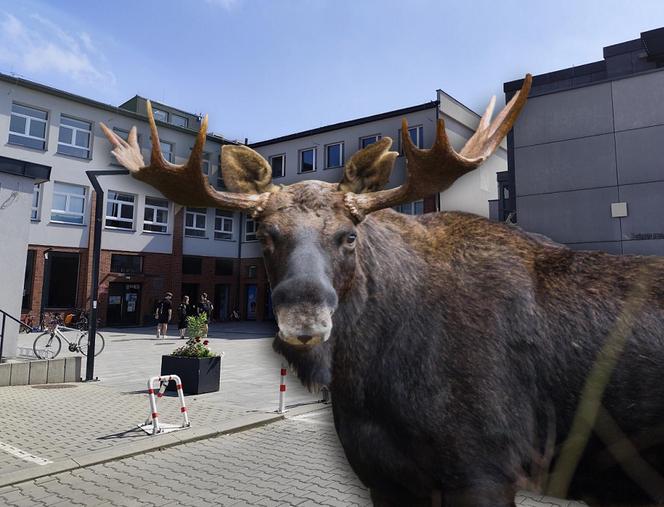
152,425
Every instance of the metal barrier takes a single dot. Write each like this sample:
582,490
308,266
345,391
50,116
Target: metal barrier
152,425
282,390
2,329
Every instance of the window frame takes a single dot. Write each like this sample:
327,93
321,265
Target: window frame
119,218
171,153
342,154
175,115
28,122
187,212
420,138
206,163
74,131
156,111
283,164
155,208
66,211
35,210
248,220
377,136
300,153
399,207
223,219
127,272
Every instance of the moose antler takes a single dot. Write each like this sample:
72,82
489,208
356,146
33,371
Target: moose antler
184,184
435,169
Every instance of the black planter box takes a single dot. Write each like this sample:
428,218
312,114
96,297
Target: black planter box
198,374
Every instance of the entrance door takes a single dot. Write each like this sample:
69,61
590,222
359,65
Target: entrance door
124,301
251,301
221,291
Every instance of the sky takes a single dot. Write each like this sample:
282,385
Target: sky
263,69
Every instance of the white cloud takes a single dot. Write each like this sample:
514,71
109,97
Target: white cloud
40,47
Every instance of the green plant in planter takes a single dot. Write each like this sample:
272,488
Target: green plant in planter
195,346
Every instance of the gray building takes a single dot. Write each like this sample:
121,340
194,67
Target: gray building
586,157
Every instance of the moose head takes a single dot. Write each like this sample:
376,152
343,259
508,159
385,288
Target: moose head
310,230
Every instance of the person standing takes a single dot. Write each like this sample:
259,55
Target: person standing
205,306
184,311
163,314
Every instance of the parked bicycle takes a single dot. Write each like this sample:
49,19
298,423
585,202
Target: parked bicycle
48,344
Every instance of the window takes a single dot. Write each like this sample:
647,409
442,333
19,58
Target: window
251,271
167,150
278,164
194,222
36,193
155,216
27,127
178,120
26,304
63,271
308,160
205,164
120,210
411,208
416,135
368,140
223,267
334,155
129,264
220,180
74,137
192,266
160,115
223,224
250,230
68,203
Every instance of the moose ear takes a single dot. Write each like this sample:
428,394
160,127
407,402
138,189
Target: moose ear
245,171
369,169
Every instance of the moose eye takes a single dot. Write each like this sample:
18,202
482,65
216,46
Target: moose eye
350,238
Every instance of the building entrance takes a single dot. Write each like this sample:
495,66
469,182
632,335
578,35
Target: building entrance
124,302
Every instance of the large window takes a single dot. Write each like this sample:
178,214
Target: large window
74,137
28,280
27,127
167,150
205,164
223,224
195,222
334,155
160,114
416,135
155,216
68,203
250,230
278,164
63,280
178,120
368,140
308,160
411,208
129,264
192,266
223,267
36,195
120,210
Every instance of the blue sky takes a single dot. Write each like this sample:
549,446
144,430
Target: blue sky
266,68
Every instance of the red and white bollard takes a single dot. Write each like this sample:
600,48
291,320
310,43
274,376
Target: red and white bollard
282,390
152,425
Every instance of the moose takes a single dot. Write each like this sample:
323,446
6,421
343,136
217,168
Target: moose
467,359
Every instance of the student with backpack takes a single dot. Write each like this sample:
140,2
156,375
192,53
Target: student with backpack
163,314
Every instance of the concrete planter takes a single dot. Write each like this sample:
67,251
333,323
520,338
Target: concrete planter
47,371
198,374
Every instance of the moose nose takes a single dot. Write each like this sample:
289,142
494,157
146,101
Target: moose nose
304,338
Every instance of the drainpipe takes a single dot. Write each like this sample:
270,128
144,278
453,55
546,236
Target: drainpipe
239,264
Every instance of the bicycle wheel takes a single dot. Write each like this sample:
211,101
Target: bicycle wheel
47,345
83,343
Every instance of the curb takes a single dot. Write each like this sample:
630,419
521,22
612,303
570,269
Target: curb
153,443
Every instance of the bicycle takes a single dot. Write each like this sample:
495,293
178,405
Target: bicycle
48,344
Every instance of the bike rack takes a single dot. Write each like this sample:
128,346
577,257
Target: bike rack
152,425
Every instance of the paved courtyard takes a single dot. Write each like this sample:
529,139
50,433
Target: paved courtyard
78,444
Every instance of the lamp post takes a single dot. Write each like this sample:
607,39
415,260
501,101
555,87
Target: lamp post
96,254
